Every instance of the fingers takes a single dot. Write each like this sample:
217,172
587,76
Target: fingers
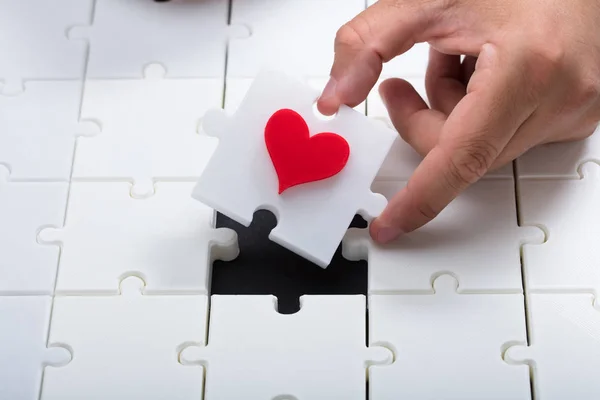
444,81
384,30
498,101
415,122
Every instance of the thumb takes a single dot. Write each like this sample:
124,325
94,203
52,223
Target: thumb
383,31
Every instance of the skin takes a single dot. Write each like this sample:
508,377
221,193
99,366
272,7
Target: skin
531,76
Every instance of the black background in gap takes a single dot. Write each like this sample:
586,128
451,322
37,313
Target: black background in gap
264,267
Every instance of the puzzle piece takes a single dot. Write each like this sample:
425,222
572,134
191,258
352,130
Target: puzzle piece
559,160
448,345
25,207
324,208
126,346
39,128
476,238
288,35
148,129
33,44
317,353
402,159
168,239
188,37
565,346
568,209
23,353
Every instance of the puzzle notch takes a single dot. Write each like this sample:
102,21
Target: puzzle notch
333,358
562,361
174,237
134,335
566,209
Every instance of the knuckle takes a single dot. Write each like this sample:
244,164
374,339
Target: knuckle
471,163
350,34
427,211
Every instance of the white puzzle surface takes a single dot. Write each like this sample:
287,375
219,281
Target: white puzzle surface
106,257
117,342
476,238
448,345
324,342
326,206
168,239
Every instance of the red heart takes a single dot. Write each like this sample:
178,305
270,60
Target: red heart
298,157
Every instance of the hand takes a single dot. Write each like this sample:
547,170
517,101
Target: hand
531,75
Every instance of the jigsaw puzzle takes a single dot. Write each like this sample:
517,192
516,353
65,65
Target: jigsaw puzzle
317,353
322,208
33,43
38,130
24,324
569,211
25,208
188,37
476,238
119,188
126,346
148,129
168,239
448,345
563,353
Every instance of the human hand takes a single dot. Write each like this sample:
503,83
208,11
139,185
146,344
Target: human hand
531,76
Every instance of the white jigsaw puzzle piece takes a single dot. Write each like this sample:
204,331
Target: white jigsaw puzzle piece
313,217
126,347
26,267
317,353
188,37
565,346
448,345
296,36
559,160
39,128
148,129
168,239
402,159
34,45
476,238
24,324
569,211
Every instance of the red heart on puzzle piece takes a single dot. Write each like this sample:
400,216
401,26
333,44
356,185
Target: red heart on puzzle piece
298,157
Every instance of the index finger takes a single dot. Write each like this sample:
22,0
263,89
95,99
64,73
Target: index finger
499,100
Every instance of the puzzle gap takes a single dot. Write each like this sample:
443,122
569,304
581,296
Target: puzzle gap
264,267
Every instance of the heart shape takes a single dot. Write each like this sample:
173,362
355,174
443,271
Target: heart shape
298,157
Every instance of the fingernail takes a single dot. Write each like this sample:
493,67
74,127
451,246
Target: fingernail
329,90
388,233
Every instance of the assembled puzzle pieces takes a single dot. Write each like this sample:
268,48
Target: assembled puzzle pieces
318,353
559,160
476,238
26,267
448,345
33,44
189,37
569,210
24,324
148,129
126,346
167,239
564,353
240,177
38,129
